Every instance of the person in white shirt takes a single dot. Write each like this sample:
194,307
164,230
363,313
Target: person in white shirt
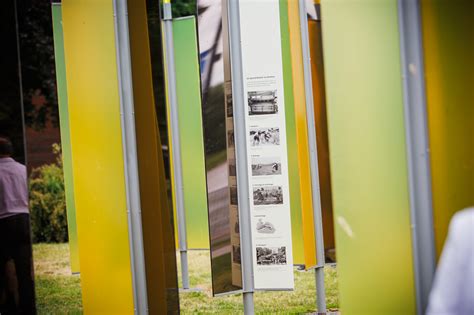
453,287
15,241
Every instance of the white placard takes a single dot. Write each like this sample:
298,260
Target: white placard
266,146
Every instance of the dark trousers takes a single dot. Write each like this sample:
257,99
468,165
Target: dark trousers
15,246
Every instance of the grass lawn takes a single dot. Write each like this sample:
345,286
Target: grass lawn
58,292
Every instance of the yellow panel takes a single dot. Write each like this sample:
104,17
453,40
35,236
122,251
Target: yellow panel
98,166
301,134
158,236
448,32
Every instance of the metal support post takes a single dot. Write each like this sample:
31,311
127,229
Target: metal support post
239,108
175,141
313,157
416,126
130,157
249,308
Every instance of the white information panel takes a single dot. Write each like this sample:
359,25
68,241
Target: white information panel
266,146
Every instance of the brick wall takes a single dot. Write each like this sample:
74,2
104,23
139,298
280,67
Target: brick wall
39,143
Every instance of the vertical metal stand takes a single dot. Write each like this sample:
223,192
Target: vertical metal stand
239,108
313,156
249,308
176,149
130,157
416,127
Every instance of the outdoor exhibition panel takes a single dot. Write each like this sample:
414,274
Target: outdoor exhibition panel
65,135
448,30
97,156
191,137
265,129
320,115
368,156
158,235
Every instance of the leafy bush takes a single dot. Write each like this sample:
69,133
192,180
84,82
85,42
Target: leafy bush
48,202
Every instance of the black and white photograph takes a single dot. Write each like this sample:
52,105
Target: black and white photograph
267,195
262,102
234,200
232,170
264,136
236,254
265,227
262,166
230,139
271,255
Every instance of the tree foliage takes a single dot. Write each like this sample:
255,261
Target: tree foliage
37,63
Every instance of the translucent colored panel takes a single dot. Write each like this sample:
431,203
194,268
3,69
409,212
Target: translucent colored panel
190,123
294,170
448,30
98,165
368,156
65,136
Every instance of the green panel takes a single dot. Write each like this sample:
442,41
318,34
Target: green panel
191,136
293,168
368,156
65,137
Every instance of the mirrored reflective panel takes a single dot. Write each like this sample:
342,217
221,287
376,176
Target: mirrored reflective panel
16,268
219,147
153,158
183,8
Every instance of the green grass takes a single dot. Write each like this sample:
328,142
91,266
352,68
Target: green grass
58,292
300,301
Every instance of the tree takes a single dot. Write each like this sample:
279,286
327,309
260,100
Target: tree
37,63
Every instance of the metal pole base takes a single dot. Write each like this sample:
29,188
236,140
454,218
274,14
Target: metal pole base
185,274
320,290
184,269
249,308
